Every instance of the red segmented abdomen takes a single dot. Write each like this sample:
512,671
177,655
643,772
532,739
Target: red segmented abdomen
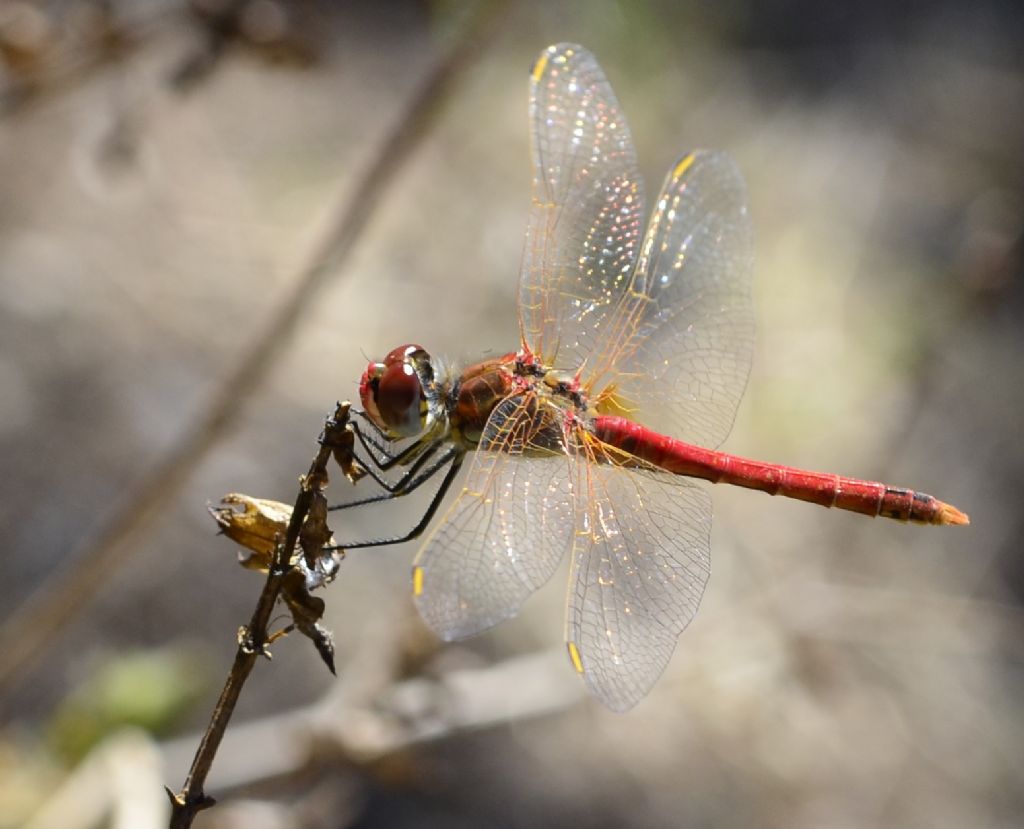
853,494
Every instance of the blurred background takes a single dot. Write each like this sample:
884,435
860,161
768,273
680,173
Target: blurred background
213,212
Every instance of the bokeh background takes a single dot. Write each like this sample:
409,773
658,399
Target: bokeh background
170,176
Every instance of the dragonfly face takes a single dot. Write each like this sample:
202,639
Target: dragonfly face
393,391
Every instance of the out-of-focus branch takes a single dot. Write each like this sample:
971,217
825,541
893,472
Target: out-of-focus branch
347,725
27,633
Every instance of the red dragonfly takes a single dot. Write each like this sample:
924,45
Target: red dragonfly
623,331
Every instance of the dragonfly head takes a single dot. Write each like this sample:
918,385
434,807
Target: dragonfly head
392,392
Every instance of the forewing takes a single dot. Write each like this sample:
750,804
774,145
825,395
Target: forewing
505,533
677,351
640,563
587,208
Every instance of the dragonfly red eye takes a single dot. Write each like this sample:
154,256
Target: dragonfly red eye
391,392
369,383
404,353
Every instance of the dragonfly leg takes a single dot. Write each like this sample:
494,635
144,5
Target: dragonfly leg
409,481
455,456
368,442
390,460
380,432
415,451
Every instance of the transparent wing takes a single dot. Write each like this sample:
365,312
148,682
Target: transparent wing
640,563
506,531
587,207
677,350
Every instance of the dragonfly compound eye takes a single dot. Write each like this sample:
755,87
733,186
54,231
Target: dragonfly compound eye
369,385
392,393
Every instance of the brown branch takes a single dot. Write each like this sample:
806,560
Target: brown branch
29,631
253,639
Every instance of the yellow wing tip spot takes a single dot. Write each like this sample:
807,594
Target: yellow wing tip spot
539,67
574,655
683,166
417,581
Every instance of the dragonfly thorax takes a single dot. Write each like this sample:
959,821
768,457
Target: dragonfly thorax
566,384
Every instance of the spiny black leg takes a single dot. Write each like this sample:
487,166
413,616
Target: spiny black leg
369,445
409,481
426,450
391,460
380,481
369,420
429,514
381,445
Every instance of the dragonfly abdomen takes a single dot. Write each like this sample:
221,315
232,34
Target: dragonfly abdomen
827,490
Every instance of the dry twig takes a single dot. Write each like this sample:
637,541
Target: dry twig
254,638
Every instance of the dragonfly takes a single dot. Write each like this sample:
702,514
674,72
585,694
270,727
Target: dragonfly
635,347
